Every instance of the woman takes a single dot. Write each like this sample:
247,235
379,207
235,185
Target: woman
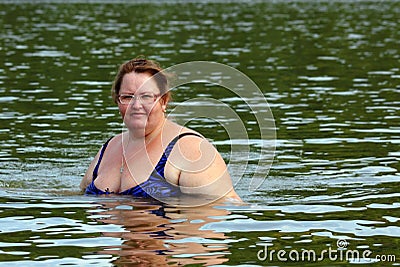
155,157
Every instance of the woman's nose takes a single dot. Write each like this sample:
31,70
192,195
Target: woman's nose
135,103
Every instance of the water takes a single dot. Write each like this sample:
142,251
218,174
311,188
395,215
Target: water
330,72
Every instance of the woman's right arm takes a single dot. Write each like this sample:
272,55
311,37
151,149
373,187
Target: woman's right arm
87,179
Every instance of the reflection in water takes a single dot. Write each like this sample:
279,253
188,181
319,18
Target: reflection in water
158,235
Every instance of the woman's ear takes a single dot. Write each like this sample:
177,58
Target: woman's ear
164,101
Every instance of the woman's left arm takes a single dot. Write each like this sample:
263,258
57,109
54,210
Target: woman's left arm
200,169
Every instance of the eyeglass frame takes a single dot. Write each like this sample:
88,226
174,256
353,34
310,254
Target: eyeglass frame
134,97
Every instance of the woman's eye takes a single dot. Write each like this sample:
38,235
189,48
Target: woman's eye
146,97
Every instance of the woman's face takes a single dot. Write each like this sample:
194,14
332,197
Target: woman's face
142,114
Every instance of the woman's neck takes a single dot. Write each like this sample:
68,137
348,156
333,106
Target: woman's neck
146,136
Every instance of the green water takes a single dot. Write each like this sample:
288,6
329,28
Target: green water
330,71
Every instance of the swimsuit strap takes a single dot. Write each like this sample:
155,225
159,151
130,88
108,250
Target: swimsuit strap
163,160
173,142
96,169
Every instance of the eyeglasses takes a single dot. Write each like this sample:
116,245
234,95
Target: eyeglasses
144,99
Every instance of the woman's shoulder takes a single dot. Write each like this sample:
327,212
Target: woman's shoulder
175,130
190,142
112,143
116,138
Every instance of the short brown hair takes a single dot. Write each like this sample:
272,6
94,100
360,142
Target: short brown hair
142,65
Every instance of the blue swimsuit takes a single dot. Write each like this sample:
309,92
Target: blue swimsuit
155,186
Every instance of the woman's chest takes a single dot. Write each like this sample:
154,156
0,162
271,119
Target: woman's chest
123,169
